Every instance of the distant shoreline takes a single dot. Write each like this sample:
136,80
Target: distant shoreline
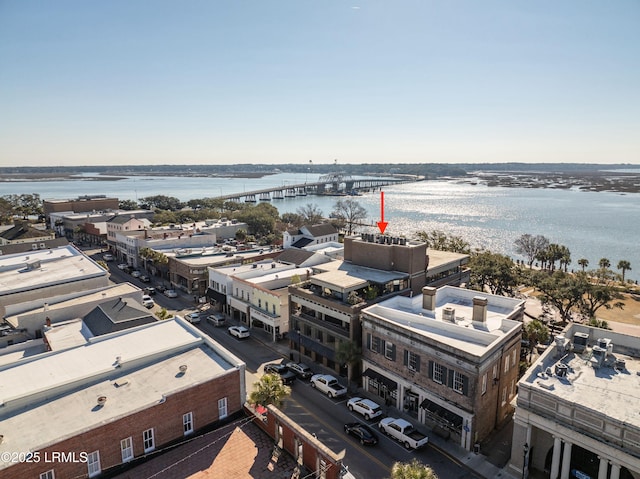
22,177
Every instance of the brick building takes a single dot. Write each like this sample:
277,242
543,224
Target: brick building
93,408
448,357
82,204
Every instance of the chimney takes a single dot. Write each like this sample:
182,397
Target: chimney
480,309
429,298
47,321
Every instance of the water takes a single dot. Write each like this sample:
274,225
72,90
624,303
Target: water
591,224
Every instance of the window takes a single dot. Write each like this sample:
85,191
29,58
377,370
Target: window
484,383
260,303
413,361
458,382
375,345
93,463
506,364
438,373
273,308
495,371
513,358
513,388
48,475
222,408
126,448
187,423
147,438
389,351
504,396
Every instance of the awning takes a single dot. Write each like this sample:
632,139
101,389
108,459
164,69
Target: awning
391,385
212,294
445,414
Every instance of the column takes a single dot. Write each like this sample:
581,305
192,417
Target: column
615,471
566,460
603,469
555,459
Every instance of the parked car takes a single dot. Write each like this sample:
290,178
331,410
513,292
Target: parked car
300,369
328,385
193,318
238,332
362,432
136,274
147,301
107,257
150,290
161,287
403,432
283,371
145,279
123,266
170,293
217,319
368,408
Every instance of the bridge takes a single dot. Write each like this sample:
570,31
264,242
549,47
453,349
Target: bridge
327,185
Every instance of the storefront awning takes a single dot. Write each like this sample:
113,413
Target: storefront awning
445,414
391,385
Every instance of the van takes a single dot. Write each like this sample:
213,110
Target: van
216,319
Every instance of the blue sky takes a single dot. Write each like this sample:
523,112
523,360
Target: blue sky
279,81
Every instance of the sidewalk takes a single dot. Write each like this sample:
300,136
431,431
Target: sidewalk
497,448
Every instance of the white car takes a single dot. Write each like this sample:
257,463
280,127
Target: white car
147,301
136,274
107,257
238,332
170,293
123,266
366,407
193,318
217,319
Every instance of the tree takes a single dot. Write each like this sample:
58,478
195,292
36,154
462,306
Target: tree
412,470
535,331
583,262
260,219
26,205
562,290
311,214
529,246
350,213
269,390
128,205
602,294
6,211
493,271
442,241
163,314
625,266
604,263
349,353
162,202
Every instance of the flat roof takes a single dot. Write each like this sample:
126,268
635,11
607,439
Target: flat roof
57,265
348,276
67,334
63,387
439,258
607,390
473,337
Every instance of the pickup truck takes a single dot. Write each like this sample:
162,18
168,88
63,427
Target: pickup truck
328,385
403,432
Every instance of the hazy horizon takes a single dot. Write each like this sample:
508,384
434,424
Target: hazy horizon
293,81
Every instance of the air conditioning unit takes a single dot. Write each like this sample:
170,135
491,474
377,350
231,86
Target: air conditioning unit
449,314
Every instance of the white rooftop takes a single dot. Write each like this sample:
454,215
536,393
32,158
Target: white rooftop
606,390
347,276
474,337
57,265
63,386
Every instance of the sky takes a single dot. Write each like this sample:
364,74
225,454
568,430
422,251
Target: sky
135,82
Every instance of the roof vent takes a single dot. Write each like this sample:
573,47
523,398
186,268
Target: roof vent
183,368
561,370
620,364
449,314
102,400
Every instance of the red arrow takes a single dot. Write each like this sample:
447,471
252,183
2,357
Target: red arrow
382,224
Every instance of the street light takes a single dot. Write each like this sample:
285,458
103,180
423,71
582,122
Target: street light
525,451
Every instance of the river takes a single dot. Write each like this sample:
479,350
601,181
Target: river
591,224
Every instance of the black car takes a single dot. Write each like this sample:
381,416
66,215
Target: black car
283,371
362,432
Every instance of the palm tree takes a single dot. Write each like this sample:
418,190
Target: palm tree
163,314
604,263
536,332
583,262
625,266
349,353
269,390
412,470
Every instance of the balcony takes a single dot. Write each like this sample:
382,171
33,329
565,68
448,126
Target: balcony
326,325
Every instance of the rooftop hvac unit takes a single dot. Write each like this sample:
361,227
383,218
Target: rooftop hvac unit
580,341
597,356
620,364
561,370
449,314
606,344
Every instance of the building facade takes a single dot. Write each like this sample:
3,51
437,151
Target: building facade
577,408
448,357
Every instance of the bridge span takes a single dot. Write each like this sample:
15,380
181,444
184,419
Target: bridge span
329,185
